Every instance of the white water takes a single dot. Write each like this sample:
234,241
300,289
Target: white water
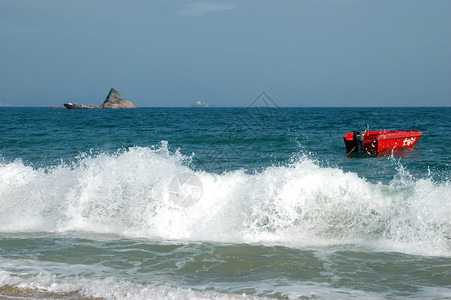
133,193
46,285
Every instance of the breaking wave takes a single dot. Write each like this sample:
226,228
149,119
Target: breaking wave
153,193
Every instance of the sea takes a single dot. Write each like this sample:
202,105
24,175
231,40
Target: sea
255,202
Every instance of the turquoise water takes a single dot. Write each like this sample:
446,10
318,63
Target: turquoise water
232,203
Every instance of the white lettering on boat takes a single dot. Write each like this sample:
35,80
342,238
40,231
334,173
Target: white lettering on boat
408,141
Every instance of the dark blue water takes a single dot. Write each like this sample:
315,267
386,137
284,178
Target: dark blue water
225,139
222,203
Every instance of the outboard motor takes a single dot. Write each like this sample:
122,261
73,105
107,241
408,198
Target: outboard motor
359,140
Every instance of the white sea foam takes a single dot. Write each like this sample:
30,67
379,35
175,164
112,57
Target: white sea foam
48,286
131,193
45,285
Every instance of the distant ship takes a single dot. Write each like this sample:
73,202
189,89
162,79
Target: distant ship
71,105
203,104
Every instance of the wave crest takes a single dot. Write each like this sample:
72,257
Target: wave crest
134,193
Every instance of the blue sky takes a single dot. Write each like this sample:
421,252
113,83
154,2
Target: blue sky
173,53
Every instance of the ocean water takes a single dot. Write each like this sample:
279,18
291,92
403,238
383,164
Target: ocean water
222,203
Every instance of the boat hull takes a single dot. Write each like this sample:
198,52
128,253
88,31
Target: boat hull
74,106
379,141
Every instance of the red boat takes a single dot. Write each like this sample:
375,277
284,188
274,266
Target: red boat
380,141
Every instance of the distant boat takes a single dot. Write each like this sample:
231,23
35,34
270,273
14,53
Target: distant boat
380,141
203,104
71,105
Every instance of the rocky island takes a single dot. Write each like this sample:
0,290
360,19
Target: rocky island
113,100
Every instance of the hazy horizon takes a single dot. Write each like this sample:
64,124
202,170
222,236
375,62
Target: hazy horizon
172,54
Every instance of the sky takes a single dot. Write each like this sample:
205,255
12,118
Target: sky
173,53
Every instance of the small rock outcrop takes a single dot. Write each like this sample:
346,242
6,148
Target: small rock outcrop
114,100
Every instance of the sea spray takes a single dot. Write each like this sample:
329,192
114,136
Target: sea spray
128,193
